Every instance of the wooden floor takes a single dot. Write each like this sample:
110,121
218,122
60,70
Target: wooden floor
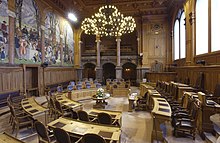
136,126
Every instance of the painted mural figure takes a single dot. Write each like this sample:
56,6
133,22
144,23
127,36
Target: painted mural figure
23,44
2,52
4,29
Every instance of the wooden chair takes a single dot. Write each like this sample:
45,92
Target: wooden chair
61,136
62,111
20,120
105,118
44,135
83,116
52,109
187,126
60,88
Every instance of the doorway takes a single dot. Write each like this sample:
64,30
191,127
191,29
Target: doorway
108,72
129,72
89,71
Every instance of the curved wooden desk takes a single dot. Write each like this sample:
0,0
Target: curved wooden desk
33,108
62,98
144,88
83,94
116,115
161,113
79,128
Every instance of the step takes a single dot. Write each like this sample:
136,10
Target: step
209,138
4,110
217,130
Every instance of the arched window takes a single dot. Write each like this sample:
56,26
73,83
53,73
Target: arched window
182,36
201,27
176,39
215,24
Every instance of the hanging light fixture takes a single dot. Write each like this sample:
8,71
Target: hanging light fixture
108,21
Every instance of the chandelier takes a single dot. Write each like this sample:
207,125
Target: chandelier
108,21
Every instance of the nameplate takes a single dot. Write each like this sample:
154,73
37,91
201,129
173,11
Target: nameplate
164,110
59,125
105,134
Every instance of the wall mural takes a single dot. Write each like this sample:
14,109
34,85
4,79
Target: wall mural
28,36
4,31
27,39
52,39
68,49
53,26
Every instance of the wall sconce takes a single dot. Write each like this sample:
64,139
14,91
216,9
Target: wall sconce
202,62
157,46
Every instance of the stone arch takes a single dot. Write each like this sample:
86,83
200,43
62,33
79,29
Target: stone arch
108,71
89,70
129,72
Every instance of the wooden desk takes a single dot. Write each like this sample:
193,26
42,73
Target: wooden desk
151,94
131,99
79,128
161,113
83,94
63,100
117,115
6,138
33,108
120,92
181,90
144,88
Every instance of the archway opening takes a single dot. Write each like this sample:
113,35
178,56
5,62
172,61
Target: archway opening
89,71
129,72
108,71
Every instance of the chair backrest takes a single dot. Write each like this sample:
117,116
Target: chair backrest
83,115
41,131
58,106
59,88
52,104
92,138
200,81
70,87
72,83
104,118
74,114
61,136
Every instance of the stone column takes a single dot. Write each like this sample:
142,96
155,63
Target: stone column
80,69
98,65
190,58
118,66
80,52
11,45
42,43
61,49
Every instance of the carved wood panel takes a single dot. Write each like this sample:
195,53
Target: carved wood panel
11,79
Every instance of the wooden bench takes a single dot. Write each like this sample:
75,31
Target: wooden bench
4,96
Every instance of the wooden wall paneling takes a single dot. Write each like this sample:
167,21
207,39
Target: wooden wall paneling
212,76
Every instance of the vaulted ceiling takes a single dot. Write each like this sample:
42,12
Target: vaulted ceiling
85,8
